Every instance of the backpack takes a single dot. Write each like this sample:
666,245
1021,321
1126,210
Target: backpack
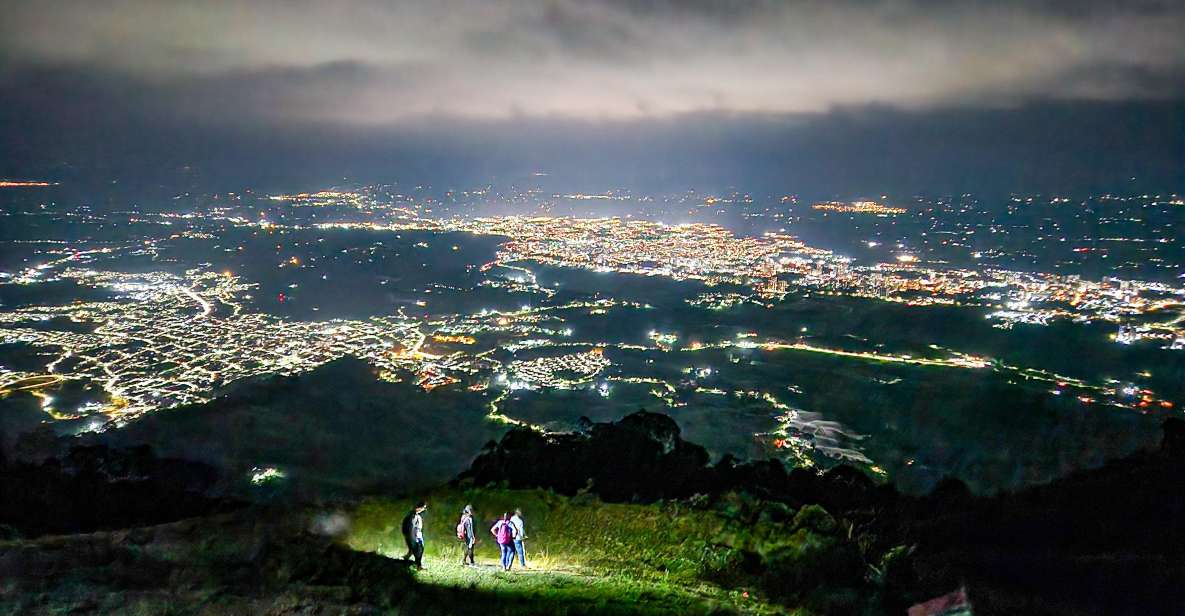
504,535
461,529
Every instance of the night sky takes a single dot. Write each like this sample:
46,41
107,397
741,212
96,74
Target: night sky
843,97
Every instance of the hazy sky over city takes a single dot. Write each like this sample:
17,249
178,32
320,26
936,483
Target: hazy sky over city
415,71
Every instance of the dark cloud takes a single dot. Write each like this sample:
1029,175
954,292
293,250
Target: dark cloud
612,59
83,120
890,93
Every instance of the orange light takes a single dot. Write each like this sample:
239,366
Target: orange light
18,184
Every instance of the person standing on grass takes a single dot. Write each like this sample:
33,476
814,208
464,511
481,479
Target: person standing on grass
468,539
413,533
503,532
520,535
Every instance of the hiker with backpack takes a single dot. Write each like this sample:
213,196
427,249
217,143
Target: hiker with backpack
466,536
413,533
504,534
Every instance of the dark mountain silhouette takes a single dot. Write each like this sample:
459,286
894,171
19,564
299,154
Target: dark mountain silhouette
334,431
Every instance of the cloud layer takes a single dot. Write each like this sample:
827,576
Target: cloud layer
380,63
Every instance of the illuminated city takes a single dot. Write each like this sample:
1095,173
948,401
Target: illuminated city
164,339
859,207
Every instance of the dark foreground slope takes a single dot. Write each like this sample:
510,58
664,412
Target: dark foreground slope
249,562
99,488
108,530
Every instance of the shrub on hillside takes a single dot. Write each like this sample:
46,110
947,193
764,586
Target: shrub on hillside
815,518
809,560
725,565
894,577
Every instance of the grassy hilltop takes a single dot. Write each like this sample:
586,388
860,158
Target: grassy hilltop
587,555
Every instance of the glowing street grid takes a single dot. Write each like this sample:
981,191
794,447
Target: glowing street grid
161,340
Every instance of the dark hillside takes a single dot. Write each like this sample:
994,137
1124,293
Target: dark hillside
334,431
1104,541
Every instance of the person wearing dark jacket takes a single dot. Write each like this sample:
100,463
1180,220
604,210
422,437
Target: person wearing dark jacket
413,533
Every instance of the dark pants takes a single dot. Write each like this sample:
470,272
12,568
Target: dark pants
467,555
507,555
417,551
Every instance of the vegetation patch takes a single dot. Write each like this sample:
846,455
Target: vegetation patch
669,557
